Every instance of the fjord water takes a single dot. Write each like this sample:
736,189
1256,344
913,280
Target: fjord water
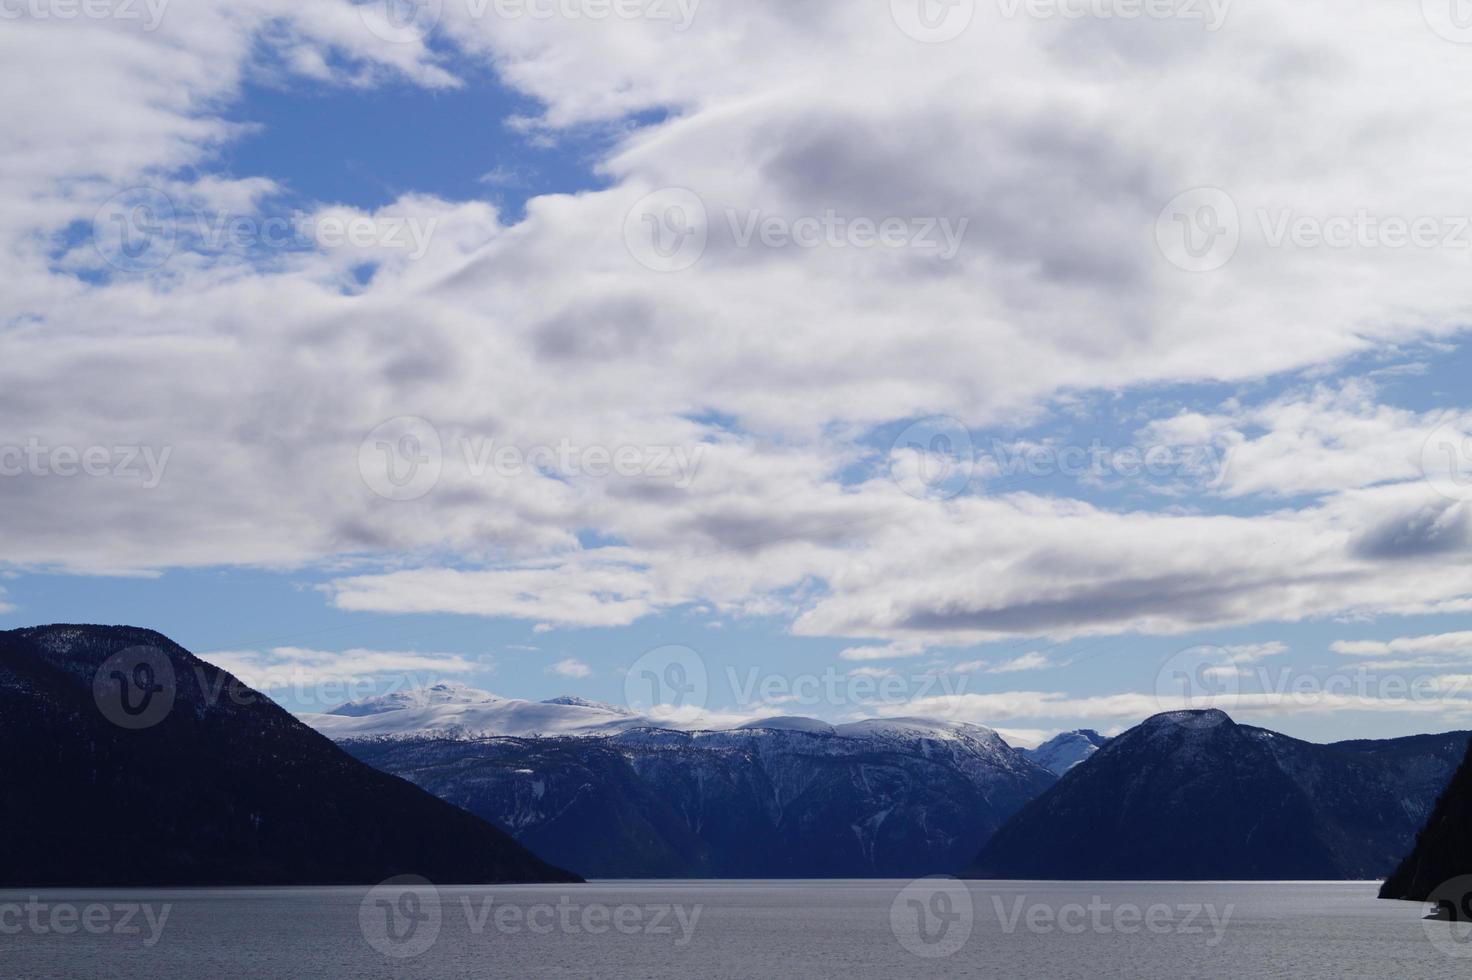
818,929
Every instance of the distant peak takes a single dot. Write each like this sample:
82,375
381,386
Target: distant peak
445,692
573,701
1194,718
790,723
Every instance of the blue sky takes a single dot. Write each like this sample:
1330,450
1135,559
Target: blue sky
787,388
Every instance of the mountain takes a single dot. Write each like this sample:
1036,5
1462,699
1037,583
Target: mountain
457,711
1192,795
129,762
783,798
1443,848
1062,752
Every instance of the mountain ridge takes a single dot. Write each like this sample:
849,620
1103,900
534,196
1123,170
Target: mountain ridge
202,781
1194,795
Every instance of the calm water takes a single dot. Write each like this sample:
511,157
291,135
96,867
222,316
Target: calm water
849,930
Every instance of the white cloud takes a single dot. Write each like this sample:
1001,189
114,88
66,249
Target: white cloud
1444,643
571,667
265,382
1028,661
299,669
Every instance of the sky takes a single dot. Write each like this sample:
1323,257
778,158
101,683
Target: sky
1034,364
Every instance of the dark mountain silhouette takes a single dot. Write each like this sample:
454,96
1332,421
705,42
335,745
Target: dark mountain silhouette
1193,795
1443,848
130,762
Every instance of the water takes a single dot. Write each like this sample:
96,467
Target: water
826,929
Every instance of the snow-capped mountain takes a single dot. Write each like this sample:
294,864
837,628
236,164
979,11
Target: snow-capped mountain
1062,752
458,711
780,797
1192,795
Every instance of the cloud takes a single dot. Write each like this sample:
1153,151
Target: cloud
1441,643
300,669
547,331
1028,661
571,668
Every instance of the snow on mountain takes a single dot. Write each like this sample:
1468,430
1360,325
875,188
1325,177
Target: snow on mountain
458,711
1062,752
789,723
573,700
776,797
